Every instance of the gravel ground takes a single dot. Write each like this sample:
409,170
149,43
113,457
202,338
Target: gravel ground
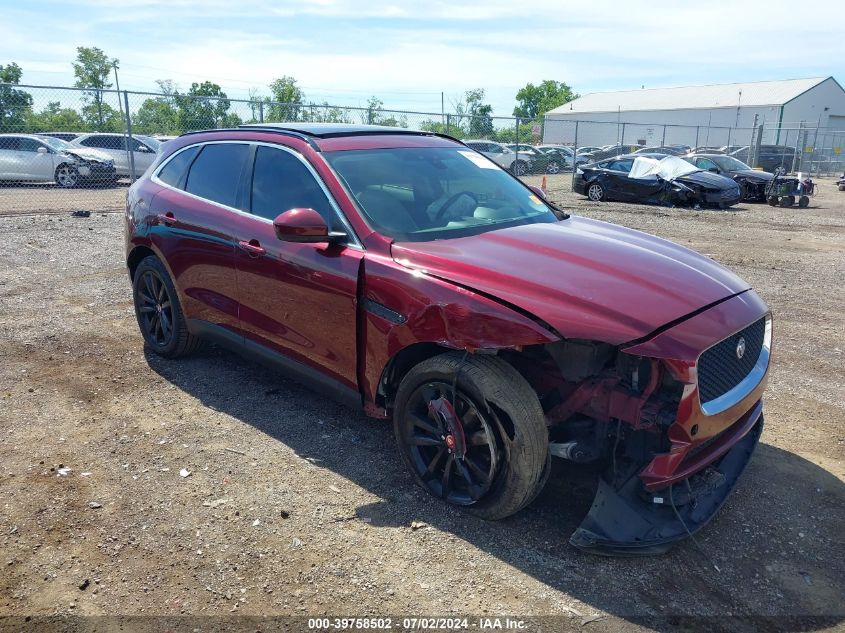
297,506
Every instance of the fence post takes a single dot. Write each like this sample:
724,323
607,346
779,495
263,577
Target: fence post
448,124
130,153
622,140
574,157
261,112
697,130
663,141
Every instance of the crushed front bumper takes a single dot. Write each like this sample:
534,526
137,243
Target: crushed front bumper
630,520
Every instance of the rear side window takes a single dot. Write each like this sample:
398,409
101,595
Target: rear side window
8,142
216,172
173,173
281,182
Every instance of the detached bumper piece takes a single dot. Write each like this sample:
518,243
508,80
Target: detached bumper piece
631,521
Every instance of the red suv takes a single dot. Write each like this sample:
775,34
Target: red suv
407,274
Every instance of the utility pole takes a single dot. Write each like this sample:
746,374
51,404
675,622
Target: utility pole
128,129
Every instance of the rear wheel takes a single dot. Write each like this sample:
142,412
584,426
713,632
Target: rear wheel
773,201
595,192
804,202
158,311
787,201
472,432
553,167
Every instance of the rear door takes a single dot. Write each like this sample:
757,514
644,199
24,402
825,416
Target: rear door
194,215
297,299
10,166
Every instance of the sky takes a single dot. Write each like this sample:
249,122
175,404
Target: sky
408,53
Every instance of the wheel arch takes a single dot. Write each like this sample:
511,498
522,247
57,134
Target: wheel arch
136,256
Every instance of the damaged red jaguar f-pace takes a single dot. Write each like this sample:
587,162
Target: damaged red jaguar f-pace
404,273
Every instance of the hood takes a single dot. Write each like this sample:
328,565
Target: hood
88,154
708,179
585,278
753,174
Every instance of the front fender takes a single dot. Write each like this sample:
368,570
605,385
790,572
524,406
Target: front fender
400,307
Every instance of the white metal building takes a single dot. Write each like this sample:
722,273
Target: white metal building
715,115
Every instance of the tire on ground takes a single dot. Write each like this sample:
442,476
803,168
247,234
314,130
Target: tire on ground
182,343
522,436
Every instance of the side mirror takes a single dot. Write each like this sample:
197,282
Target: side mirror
540,193
43,150
305,225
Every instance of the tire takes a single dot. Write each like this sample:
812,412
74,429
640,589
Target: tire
804,202
66,176
519,168
841,187
787,201
773,201
158,312
553,167
596,192
506,460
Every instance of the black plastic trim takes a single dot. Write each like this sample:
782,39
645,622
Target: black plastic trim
302,373
383,311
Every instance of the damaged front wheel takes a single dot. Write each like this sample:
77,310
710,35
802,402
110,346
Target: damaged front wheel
472,432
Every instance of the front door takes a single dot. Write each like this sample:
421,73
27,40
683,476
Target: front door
296,299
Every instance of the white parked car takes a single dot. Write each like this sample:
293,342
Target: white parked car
32,158
143,148
501,155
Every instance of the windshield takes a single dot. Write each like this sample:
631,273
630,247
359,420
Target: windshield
149,141
55,144
430,193
729,163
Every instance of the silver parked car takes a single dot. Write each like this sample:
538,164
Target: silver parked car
502,156
32,158
143,148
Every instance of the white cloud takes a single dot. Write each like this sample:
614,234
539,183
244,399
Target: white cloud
407,52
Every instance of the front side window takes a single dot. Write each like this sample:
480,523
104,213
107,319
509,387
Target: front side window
423,194
216,173
280,182
706,163
28,145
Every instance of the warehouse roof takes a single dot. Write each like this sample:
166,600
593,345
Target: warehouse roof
754,93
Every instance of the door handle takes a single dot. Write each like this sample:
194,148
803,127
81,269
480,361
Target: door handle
252,247
166,218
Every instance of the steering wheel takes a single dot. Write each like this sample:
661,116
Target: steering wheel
451,200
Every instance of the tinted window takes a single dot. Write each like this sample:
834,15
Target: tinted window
28,145
174,171
216,172
705,163
281,182
8,142
621,165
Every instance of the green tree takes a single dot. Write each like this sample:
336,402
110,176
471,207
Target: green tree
15,104
156,116
535,101
478,114
204,106
55,118
92,69
286,99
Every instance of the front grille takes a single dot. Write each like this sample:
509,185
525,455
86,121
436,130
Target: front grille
719,369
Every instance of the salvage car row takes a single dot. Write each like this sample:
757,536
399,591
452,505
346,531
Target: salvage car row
715,180
87,159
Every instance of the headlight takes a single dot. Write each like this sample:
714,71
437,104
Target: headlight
579,172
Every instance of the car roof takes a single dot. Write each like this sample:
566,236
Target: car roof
329,130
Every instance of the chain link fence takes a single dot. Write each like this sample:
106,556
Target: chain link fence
76,150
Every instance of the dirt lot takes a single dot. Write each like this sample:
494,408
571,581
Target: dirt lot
297,506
